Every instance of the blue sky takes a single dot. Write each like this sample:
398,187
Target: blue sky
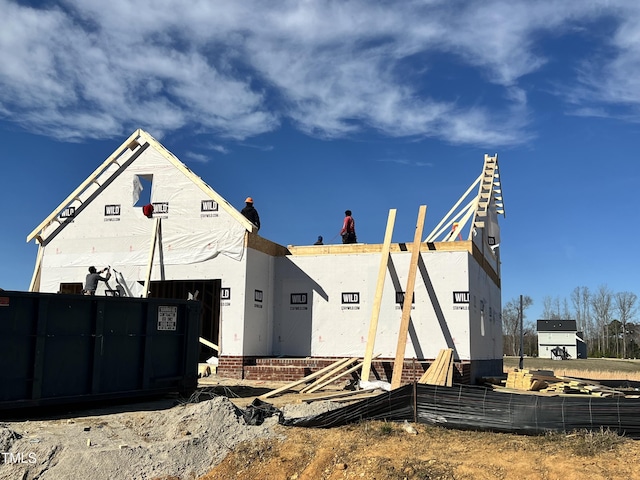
316,107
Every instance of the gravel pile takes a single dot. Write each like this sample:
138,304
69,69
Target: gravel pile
184,441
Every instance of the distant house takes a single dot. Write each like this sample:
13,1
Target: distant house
560,339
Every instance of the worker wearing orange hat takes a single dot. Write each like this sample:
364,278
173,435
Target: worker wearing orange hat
454,230
250,212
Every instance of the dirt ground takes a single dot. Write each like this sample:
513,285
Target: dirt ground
205,439
390,451
375,450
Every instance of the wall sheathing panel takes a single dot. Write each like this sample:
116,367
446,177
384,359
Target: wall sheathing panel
257,328
485,317
485,324
110,230
323,304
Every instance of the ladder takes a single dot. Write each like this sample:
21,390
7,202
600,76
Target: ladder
488,191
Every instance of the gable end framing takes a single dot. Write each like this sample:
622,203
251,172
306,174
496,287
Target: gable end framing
138,142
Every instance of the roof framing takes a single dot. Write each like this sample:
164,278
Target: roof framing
122,157
474,213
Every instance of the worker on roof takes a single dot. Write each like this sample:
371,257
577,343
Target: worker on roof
454,230
251,213
348,232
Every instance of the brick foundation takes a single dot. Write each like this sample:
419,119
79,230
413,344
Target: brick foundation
292,369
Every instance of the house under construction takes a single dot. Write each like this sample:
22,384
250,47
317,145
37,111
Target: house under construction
276,312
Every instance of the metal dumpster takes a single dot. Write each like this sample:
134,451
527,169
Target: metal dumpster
57,349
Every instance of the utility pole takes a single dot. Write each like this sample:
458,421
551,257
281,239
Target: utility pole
521,364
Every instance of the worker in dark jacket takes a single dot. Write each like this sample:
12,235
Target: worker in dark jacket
91,283
251,213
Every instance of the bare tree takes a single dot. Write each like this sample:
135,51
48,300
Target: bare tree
581,300
511,321
566,311
602,304
548,310
530,339
625,305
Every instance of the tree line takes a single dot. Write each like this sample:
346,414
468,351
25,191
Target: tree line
606,319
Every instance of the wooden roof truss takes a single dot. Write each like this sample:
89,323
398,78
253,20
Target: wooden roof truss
474,214
102,176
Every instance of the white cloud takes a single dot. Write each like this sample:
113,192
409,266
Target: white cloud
404,161
197,157
220,149
90,68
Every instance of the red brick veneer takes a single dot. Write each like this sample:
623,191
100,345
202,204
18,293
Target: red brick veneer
292,369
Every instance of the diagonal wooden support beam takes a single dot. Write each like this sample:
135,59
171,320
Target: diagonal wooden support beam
408,295
377,299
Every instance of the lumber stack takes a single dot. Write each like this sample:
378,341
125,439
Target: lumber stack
530,380
545,381
440,372
587,387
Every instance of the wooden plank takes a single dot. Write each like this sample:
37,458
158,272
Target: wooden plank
441,379
332,396
289,386
440,370
437,373
428,376
356,398
377,299
435,233
331,380
347,361
154,239
429,372
449,382
128,144
376,248
34,286
209,344
408,295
